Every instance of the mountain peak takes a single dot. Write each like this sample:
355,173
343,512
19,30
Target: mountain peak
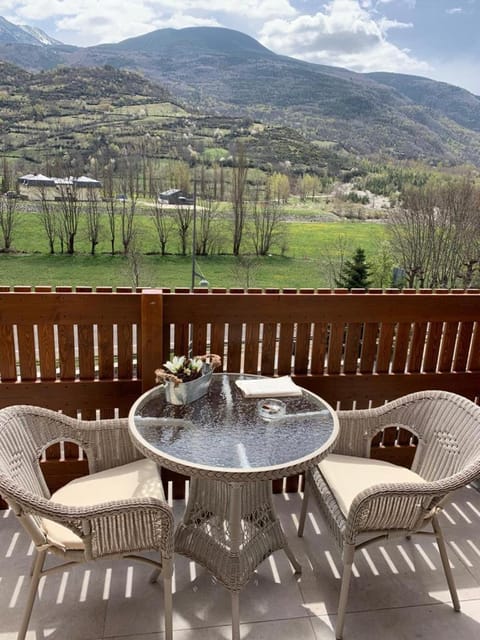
23,34
216,40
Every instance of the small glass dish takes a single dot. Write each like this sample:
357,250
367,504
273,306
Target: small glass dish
271,408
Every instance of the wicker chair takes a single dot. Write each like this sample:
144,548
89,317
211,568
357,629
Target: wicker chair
367,500
118,510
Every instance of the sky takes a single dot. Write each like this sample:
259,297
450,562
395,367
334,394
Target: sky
438,39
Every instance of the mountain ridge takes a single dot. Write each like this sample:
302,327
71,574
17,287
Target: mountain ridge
223,71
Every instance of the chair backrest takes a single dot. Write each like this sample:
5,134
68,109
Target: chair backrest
447,426
23,437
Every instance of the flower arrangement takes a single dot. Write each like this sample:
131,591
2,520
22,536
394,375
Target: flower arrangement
184,369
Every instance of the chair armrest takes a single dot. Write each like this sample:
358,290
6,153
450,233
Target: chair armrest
107,443
110,528
356,430
399,506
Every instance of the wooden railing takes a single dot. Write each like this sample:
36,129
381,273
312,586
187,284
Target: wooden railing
91,354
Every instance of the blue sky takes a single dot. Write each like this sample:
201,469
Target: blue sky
434,38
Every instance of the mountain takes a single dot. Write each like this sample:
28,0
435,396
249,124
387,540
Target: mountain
23,34
224,72
95,114
455,103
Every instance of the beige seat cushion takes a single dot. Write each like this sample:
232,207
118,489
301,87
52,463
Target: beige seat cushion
347,476
137,479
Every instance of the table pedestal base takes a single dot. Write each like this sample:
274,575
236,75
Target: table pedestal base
230,528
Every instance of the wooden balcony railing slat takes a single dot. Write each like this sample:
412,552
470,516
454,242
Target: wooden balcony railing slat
86,353
447,346
234,346
402,340
199,338
218,341
385,347
335,348
302,347
285,346
252,330
66,351
474,359
415,355
369,347
432,347
352,347
269,341
462,347
319,347
8,367
125,355
26,352
46,351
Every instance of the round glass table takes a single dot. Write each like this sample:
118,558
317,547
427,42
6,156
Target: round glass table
232,447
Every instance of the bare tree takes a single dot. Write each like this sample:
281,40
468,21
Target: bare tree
266,220
239,186
130,186
183,219
134,258
163,224
93,219
206,213
333,258
48,216
70,208
245,269
434,234
8,180
111,204
8,219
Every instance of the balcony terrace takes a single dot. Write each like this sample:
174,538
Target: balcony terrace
92,354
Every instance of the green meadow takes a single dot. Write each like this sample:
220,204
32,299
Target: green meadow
299,259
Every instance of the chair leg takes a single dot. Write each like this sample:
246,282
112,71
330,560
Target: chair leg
303,513
235,598
154,575
348,554
442,548
35,579
167,598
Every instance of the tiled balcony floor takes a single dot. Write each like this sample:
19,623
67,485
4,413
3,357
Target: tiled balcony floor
398,592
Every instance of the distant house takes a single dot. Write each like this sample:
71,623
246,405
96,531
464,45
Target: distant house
36,180
87,183
31,184
174,196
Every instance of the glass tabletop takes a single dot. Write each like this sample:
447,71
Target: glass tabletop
224,430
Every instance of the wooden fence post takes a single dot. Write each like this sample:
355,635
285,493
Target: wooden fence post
151,337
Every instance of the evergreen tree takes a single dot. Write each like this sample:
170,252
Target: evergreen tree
355,273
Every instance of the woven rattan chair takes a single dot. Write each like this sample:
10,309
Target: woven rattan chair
367,500
118,510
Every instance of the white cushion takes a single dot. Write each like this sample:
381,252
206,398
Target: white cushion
347,476
136,479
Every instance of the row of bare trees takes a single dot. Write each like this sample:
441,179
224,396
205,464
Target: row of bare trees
259,220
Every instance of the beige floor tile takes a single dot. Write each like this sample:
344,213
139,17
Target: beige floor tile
435,622
400,592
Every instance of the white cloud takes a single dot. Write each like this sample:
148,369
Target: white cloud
454,10
87,22
345,34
